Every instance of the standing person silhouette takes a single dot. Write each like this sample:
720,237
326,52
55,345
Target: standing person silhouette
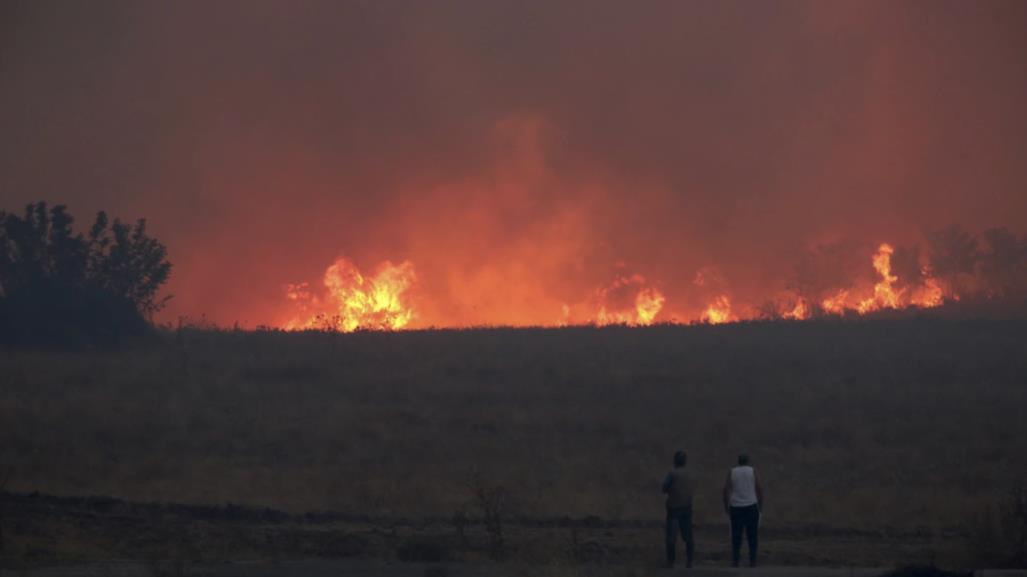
679,487
743,501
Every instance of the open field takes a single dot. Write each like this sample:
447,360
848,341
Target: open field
878,442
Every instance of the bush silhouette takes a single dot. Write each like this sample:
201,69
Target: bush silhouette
62,288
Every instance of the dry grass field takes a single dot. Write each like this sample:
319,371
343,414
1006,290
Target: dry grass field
901,429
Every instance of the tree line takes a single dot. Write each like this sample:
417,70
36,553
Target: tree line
62,287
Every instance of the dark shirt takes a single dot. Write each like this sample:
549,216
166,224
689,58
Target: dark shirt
679,487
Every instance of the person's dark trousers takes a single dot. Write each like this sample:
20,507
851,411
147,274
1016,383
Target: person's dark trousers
679,519
744,519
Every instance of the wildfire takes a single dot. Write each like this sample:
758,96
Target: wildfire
350,300
353,301
641,310
648,304
924,292
718,311
930,294
835,304
884,296
799,312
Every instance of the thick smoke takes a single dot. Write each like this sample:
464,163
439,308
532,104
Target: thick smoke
526,156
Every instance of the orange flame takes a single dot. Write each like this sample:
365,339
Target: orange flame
930,294
887,294
835,304
799,312
884,296
718,311
646,304
351,301
354,301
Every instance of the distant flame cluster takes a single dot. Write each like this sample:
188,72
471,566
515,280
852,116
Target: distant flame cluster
647,303
351,301
886,294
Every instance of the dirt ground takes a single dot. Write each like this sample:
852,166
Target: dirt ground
333,568
80,536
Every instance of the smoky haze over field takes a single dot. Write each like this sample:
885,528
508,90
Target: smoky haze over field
520,155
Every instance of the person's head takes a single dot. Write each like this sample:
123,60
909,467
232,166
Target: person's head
680,458
743,460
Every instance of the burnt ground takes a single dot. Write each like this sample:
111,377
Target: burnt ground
48,531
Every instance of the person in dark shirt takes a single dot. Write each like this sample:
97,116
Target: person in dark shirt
679,487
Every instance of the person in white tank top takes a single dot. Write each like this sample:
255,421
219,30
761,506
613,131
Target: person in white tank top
743,501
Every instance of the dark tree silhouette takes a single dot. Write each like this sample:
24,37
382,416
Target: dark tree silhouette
954,255
1004,263
59,287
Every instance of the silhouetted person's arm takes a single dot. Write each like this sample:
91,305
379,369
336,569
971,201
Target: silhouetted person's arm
667,482
727,493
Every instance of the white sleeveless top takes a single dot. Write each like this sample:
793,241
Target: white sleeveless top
743,487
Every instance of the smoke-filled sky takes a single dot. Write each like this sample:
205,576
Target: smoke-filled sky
521,155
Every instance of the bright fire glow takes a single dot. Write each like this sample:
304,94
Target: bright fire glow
648,304
835,304
353,301
799,312
884,296
718,311
930,294
641,310
924,292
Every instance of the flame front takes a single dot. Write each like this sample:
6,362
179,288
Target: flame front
925,292
353,301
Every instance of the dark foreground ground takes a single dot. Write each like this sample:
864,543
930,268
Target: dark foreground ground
90,529
880,443
334,568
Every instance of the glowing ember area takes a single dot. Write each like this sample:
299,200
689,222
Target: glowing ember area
352,301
